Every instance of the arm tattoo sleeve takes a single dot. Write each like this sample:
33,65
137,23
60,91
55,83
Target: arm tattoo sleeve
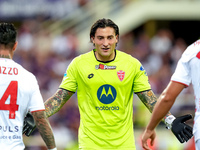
149,100
55,103
44,128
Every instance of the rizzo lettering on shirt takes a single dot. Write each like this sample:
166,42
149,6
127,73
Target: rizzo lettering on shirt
8,70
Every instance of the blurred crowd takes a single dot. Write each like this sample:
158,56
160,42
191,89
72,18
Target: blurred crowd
54,9
47,57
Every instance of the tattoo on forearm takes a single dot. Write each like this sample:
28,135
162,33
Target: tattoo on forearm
148,98
55,103
44,128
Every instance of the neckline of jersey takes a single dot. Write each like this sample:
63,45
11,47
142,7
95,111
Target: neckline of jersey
104,61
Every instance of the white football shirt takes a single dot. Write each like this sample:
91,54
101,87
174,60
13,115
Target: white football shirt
19,93
188,71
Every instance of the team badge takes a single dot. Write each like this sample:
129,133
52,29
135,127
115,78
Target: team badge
121,75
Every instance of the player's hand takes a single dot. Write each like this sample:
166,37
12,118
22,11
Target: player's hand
148,134
182,131
29,124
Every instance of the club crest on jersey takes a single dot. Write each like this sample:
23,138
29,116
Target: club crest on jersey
121,75
104,67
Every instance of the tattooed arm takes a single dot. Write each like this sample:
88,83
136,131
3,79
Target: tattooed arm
52,105
55,103
44,128
149,100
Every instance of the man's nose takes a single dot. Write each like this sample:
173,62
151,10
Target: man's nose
105,42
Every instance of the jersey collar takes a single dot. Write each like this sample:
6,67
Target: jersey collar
105,61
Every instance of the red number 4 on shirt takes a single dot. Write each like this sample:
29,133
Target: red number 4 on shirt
12,92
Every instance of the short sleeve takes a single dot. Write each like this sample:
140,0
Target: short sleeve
182,73
36,101
69,81
141,82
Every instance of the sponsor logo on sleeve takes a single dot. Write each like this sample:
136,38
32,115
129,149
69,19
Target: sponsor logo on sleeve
142,69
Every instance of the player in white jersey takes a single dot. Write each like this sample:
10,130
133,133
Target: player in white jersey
19,94
187,72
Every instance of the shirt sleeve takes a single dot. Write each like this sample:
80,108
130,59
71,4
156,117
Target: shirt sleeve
69,81
182,73
141,81
36,101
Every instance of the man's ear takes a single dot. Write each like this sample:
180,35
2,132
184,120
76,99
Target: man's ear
92,40
117,38
15,46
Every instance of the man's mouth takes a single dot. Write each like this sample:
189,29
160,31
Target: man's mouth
105,49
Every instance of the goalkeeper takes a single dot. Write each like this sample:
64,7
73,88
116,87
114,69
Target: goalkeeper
187,71
105,80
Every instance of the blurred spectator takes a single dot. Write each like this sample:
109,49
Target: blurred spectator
65,44
25,36
42,40
176,51
126,43
162,42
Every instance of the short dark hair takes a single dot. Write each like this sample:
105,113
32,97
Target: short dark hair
8,34
102,23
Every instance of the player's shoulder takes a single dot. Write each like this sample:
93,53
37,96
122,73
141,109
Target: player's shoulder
191,51
193,47
86,55
126,57
82,57
24,72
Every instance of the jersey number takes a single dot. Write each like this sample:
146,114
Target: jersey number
12,92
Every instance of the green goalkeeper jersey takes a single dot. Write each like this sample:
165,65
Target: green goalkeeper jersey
105,99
